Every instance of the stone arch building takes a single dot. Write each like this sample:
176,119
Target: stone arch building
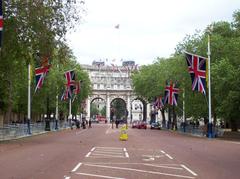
111,82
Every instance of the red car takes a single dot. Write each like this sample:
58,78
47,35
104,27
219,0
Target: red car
142,125
135,124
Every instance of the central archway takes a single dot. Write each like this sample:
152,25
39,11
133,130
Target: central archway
119,109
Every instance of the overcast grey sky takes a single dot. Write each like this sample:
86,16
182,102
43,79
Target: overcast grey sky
147,28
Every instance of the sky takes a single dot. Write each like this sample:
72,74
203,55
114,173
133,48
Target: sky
147,28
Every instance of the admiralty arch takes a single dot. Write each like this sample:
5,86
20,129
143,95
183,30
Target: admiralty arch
114,82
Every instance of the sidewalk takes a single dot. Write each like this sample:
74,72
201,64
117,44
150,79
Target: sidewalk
228,135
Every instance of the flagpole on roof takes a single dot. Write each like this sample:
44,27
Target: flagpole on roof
210,125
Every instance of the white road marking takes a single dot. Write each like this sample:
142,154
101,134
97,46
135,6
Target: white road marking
142,171
193,173
88,154
108,152
110,148
127,163
126,154
66,177
162,166
117,156
169,156
148,159
100,176
93,149
77,166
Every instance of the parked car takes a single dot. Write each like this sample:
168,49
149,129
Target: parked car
101,118
135,124
156,125
142,125
94,120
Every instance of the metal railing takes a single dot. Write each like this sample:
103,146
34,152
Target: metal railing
200,131
15,131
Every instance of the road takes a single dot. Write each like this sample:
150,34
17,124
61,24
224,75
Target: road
98,153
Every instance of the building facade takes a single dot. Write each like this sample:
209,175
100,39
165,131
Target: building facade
114,82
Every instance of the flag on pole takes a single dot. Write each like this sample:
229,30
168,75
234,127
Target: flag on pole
66,94
40,74
197,70
117,26
70,77
77,89
159,102
171,94
70,85
1,23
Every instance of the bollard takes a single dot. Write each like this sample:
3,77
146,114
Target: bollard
123,135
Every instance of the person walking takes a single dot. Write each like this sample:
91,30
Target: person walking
90,123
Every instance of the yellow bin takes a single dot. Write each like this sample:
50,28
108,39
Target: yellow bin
123,135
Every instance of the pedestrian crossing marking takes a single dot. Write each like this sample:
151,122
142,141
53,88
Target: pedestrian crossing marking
112,152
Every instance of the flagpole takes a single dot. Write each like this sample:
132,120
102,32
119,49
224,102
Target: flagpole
184,119
29,99
56,115
70,111
210,125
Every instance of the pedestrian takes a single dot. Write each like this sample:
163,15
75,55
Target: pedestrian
90,123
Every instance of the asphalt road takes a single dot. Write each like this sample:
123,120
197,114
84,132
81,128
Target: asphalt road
98,153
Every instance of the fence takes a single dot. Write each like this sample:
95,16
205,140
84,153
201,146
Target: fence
15,131
200,131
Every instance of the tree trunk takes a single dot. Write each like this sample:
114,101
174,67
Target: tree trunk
169,117
163,118
174,124
234,126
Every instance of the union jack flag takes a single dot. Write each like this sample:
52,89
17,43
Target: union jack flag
171,94
77,89
197,70
70,77
67,93
159,102
70,85
40,74
1,23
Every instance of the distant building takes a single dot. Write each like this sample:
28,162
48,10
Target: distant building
128,63
98,63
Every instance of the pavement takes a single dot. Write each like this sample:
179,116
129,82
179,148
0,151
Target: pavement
233,136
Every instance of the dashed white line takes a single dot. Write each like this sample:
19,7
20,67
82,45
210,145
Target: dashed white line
89,153
193,173
93,149
77,166
169,156
66,177
105,155
100,176
162,166
126,154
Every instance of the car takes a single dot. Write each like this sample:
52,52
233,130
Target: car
135,124
142,125
156,125
94,120
101,118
